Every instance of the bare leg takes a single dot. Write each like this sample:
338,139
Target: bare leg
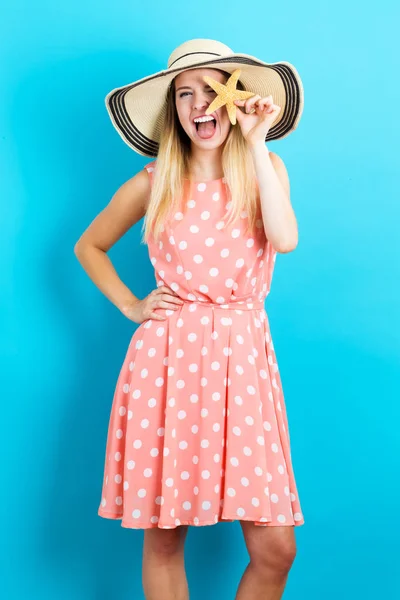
272,551
163,570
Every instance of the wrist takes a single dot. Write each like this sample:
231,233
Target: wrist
127,303
257,147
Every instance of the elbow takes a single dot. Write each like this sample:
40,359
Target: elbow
285,246
78,249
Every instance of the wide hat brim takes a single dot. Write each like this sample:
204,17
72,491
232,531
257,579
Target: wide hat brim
137,110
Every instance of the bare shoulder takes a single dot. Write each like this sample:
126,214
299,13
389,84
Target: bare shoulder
126,207
281,171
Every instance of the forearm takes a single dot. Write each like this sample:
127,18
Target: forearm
101,271
278,216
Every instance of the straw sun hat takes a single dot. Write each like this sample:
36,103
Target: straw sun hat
137,110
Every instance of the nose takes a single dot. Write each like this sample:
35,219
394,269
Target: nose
199,101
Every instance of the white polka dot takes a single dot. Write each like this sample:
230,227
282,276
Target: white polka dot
148,472
281,518
136,513
298,516
206,505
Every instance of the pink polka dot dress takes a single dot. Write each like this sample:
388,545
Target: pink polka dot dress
198,431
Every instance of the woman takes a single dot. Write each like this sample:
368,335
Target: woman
198,431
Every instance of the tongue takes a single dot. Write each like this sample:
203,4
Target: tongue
206,130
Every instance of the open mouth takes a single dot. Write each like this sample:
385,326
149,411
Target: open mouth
206,129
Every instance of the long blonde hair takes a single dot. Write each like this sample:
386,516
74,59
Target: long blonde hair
173,167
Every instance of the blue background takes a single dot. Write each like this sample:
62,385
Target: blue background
333,307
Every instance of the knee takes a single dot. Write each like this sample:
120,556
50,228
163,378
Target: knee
164,543
277,558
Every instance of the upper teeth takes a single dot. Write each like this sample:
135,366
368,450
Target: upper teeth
203,119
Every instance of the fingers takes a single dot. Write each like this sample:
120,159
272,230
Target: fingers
168,295
258,104
165,298
165,288
156,316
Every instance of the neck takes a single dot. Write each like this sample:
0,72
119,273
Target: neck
205,164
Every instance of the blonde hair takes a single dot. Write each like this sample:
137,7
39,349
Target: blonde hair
172,168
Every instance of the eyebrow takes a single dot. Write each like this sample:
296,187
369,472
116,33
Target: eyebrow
186,87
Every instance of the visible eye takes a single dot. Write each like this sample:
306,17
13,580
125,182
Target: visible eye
209,91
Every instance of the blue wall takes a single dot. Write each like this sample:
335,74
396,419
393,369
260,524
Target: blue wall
333,307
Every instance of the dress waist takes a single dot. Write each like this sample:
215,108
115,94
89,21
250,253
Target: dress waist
232,305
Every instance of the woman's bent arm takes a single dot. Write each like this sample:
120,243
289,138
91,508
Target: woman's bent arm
127,207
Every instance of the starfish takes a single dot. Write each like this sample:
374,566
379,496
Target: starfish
226,94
